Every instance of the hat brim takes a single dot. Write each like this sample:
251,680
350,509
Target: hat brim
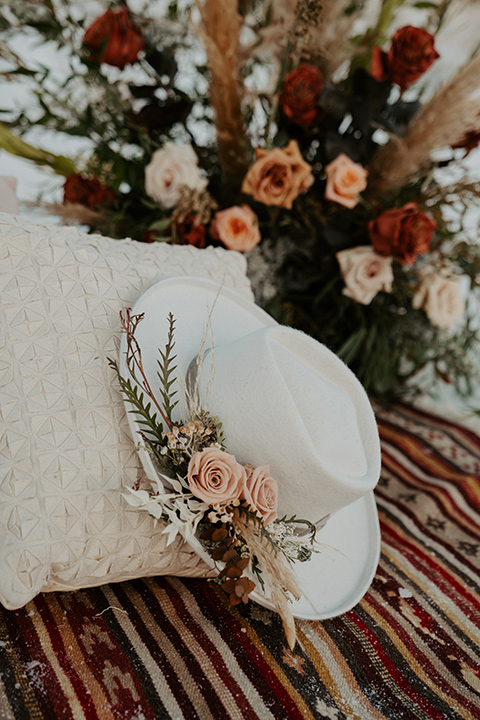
339,574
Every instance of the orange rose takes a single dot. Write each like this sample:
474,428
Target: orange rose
261,493
113,38
278,176
403,232
300,94
345,181
410,55
237,228
215,476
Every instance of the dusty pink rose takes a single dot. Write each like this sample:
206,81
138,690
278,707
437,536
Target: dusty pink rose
215,476
365,273
345,181
236,227
261,493
278,176
440,295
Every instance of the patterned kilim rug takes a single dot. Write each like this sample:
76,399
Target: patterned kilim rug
170,648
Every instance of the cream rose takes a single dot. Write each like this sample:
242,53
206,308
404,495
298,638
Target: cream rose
365,273
215,476
440,295
261,493
171,167
237,228
345,181
278,176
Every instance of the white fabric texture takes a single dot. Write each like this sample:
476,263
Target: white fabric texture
66,450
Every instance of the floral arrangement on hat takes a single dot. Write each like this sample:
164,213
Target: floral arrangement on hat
202,489
276,130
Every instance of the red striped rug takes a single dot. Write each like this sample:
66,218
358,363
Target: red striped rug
171,648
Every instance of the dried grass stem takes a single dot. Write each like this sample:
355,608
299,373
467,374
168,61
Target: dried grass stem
277,574
220,31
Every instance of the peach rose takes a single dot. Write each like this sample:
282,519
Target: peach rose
236,227
365,273
345,181
278,176
261,493
215,476
440,295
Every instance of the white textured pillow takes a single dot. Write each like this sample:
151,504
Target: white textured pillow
65,447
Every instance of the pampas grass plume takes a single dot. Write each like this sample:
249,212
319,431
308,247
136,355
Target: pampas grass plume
220,31
441,122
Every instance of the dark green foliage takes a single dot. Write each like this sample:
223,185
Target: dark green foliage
166,368
142,409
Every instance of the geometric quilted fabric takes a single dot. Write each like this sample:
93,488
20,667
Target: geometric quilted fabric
65,448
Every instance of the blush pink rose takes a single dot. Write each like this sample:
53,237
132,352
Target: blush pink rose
215,476
365,273
440,296
237,228
278,176
345,181
261,493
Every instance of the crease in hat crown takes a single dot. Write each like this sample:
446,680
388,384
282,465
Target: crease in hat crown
286,400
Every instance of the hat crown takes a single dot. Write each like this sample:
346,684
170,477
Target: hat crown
287,401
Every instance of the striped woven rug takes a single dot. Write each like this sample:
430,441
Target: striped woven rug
170,648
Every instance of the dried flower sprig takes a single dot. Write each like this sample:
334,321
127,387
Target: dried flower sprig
231,529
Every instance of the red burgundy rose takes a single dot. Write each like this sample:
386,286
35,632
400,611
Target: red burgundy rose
113,38
300,94
411,53
402,233
469,141
190,232
90,192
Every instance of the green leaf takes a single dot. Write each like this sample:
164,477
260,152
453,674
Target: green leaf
352,346
166,369
160,224
140,409
16,146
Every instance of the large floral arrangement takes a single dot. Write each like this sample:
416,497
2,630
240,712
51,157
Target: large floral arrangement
273,129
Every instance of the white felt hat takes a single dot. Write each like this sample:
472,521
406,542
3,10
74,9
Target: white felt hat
286,401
